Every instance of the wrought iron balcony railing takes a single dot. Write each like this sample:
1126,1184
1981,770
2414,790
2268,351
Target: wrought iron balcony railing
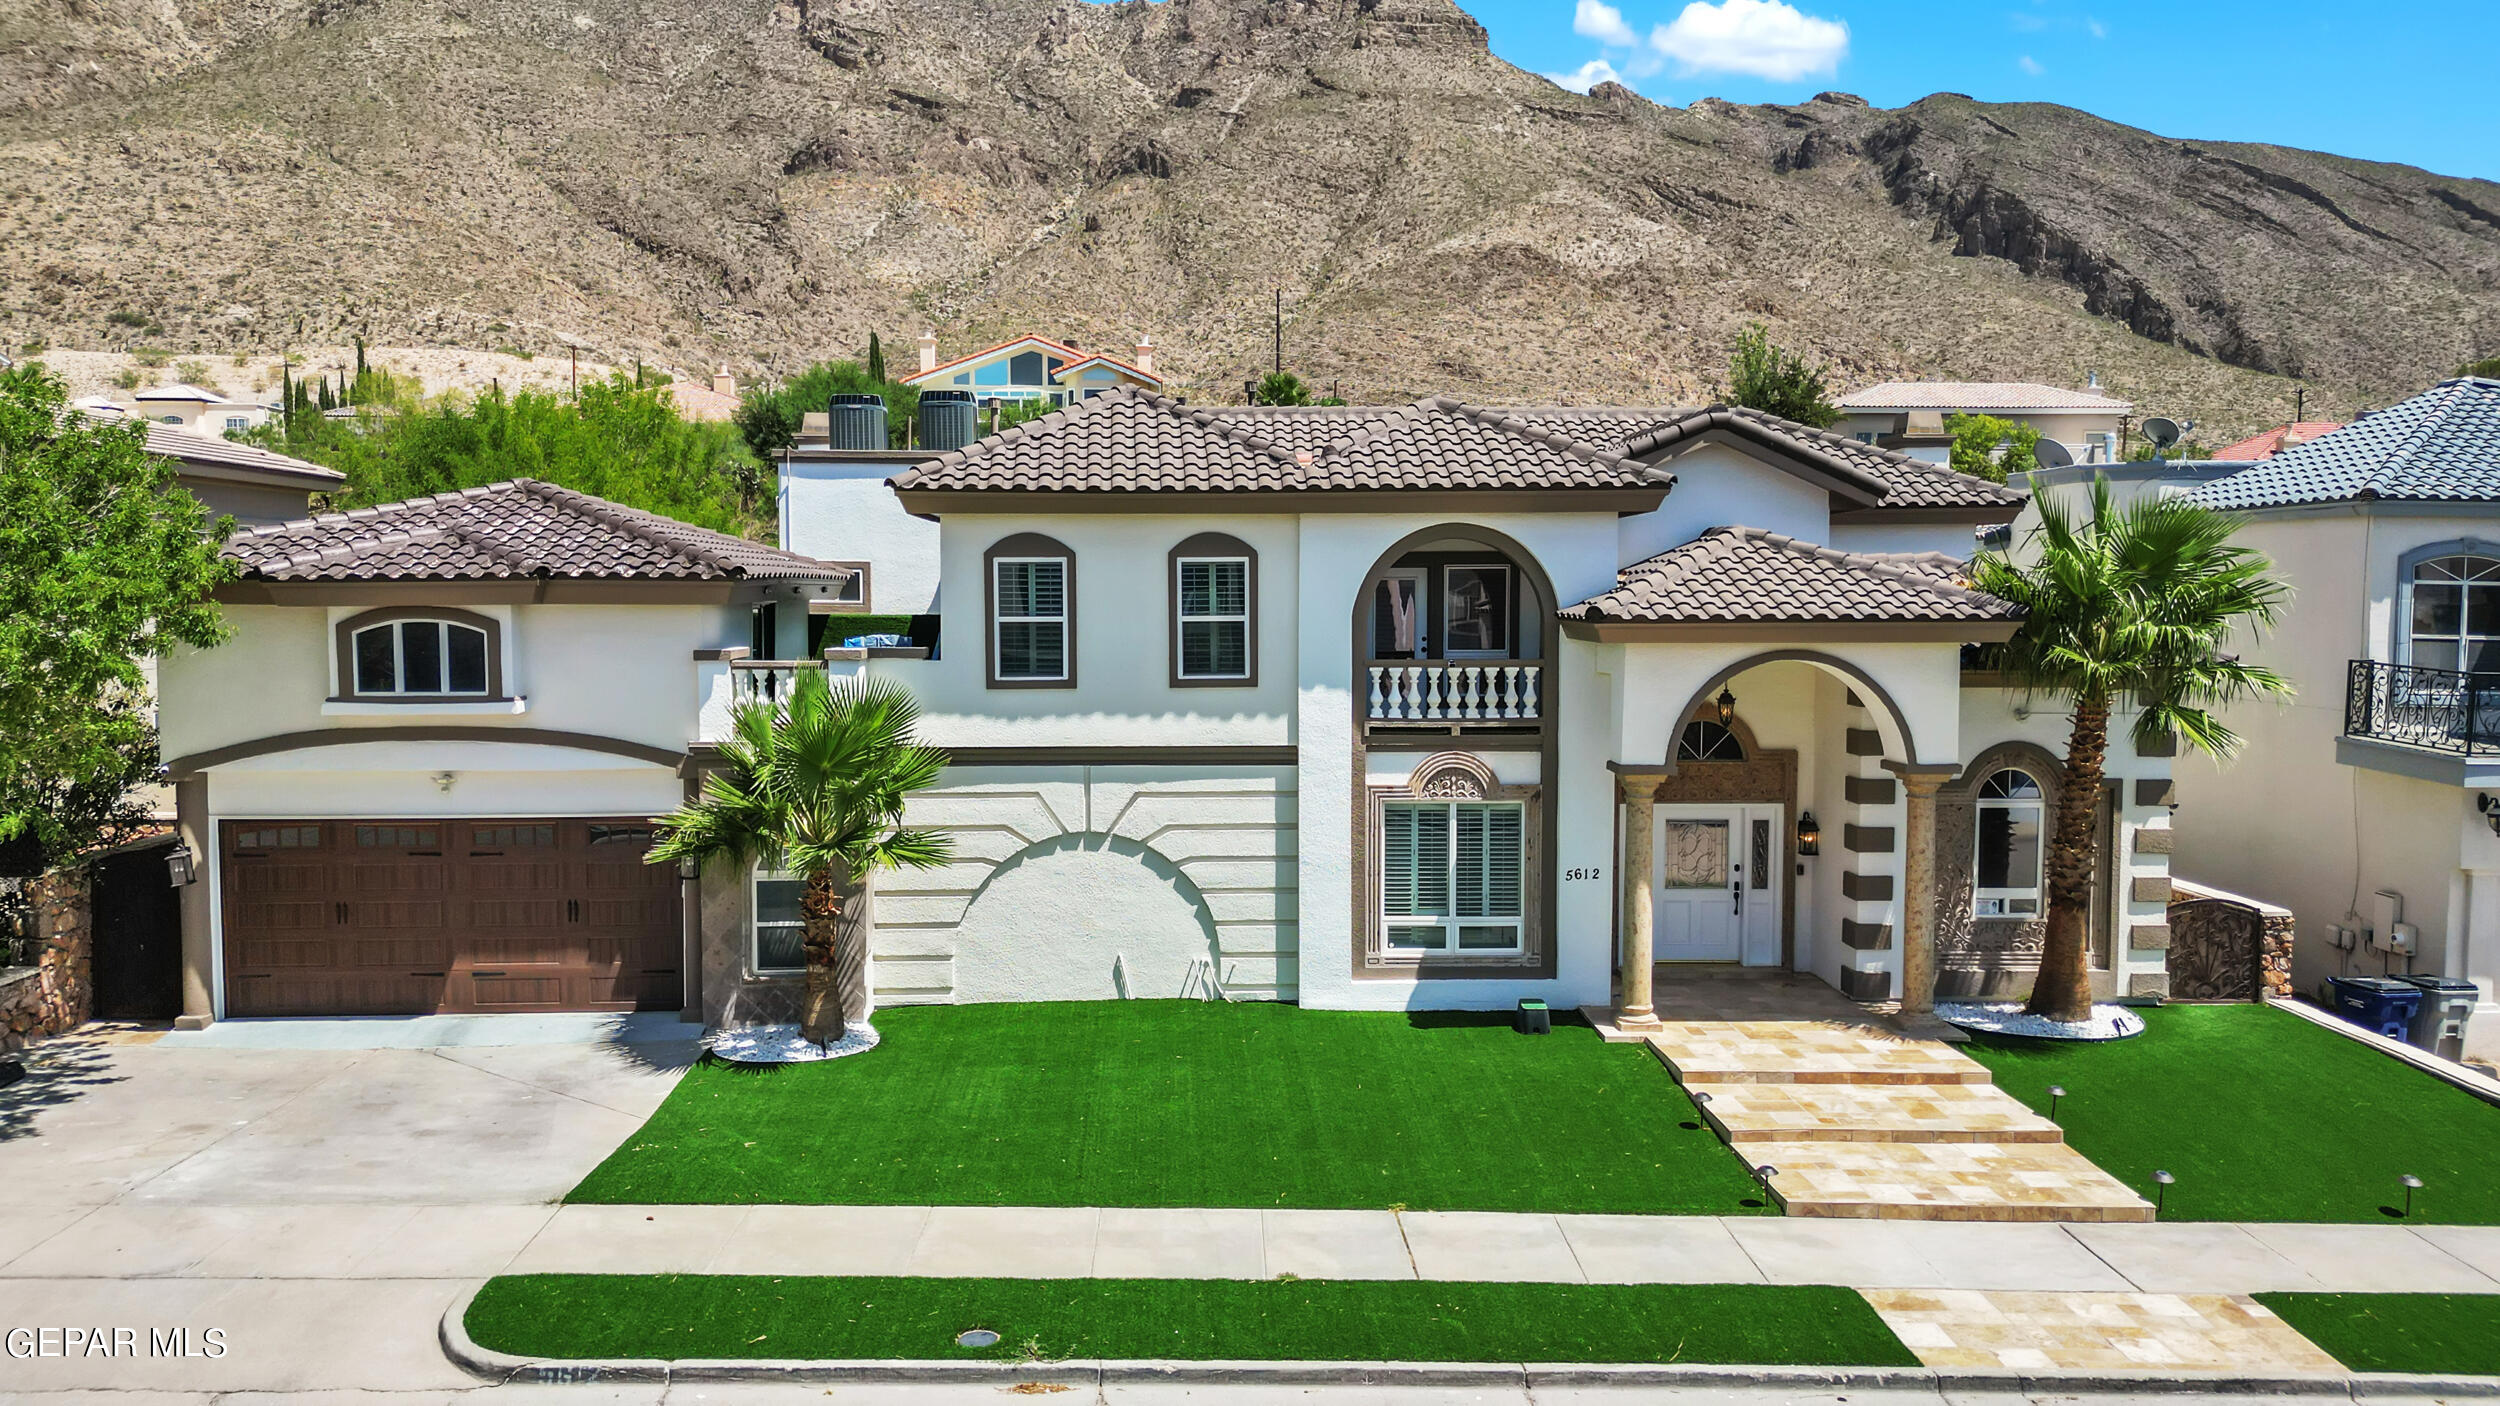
2442,710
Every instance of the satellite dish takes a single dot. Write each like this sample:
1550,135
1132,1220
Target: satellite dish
2161,431
2051,454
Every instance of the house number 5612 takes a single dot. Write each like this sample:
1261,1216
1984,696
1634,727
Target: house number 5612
1579,873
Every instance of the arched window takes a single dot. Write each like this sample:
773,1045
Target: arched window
405,656
1707,741
2012,807
2456,614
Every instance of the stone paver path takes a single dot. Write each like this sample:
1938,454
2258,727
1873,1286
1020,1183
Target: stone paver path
1856,1118
2182,1333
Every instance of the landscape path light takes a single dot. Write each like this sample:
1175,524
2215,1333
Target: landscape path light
2161,1190
2412,1184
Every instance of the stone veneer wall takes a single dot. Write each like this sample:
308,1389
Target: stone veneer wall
2226,947
56,993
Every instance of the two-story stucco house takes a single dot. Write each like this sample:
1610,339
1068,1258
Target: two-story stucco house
1444,706
1428,706
1034,369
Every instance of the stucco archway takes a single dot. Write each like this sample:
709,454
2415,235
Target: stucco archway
1889,719
1084,917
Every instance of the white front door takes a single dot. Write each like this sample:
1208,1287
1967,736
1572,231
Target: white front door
1718,886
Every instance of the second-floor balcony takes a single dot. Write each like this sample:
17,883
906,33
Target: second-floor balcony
1440,693
727,678
2440,710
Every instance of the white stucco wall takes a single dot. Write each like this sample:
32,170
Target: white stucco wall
1084,883
1717,486
842,511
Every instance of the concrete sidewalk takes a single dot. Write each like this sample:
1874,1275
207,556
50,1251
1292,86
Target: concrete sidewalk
128,1240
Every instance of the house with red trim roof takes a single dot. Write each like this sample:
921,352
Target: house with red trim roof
2268,443
1032,368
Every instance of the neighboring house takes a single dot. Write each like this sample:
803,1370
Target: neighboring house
188,407
2081,427
2365,806
700,404
1034,368
422,773
251,485
2268,443
1444,706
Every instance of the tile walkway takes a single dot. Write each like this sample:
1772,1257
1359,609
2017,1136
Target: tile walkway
2180,1333
1859,1118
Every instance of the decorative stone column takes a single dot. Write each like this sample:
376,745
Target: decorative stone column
1918,887
1639,1010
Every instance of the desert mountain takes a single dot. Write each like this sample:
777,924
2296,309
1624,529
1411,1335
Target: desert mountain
762,181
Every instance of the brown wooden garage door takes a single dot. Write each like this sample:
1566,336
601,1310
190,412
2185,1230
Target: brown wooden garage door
388,917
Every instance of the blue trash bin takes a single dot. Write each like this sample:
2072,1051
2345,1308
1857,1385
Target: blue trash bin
2377,1003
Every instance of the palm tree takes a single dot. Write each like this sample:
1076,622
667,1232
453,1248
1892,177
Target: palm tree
2134,602
816,788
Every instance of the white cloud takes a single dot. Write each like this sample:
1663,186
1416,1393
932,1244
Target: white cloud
1595,19
2096,29
1765,38
1590,74
2029,65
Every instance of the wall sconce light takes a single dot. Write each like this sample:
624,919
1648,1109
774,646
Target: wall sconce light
178,867
443,781
1727,708
2484,802
688,869
1809,835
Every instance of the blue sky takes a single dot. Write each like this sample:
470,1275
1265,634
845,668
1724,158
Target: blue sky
2398,82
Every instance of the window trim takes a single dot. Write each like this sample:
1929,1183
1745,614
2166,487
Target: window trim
757,875
1214,546
1465,778
2037,890
343,657
2400,648
1450,923
1026,546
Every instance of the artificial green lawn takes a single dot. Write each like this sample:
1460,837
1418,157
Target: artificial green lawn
2441,1334
716,1316
1189,1103
2263,1116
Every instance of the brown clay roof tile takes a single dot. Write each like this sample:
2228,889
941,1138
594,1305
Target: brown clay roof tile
1746,575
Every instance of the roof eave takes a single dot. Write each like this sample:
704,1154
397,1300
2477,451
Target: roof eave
1843,631
1635,498
1975,515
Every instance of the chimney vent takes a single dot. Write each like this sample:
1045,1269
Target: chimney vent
723,383
928,350
1145,354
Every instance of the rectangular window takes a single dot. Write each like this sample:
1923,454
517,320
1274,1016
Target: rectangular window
780,932
1032,620
1215,618
1475,612
1453,876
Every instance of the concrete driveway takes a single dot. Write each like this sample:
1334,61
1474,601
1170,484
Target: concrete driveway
318,1207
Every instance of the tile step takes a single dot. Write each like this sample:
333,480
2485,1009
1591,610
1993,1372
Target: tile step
1956,1181
1795,1052
1782,1113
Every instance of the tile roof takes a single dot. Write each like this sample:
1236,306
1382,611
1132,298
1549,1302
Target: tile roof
2440,446
1746,575
2271,442
1132,440
183,391
519,528
1137,441
191,449
1976,395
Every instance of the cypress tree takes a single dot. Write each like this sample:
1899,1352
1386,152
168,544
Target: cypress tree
876,359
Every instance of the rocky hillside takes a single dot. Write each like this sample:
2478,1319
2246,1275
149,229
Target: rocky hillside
762,181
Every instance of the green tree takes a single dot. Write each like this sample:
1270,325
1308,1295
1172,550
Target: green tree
1281,388
816,789
766,422
876,358
1019,412
618,441
1996,450
104,561
2132,603
2488,368
2142,451
1766,377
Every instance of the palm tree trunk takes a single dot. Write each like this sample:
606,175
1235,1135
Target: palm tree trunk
2063,989
837,957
